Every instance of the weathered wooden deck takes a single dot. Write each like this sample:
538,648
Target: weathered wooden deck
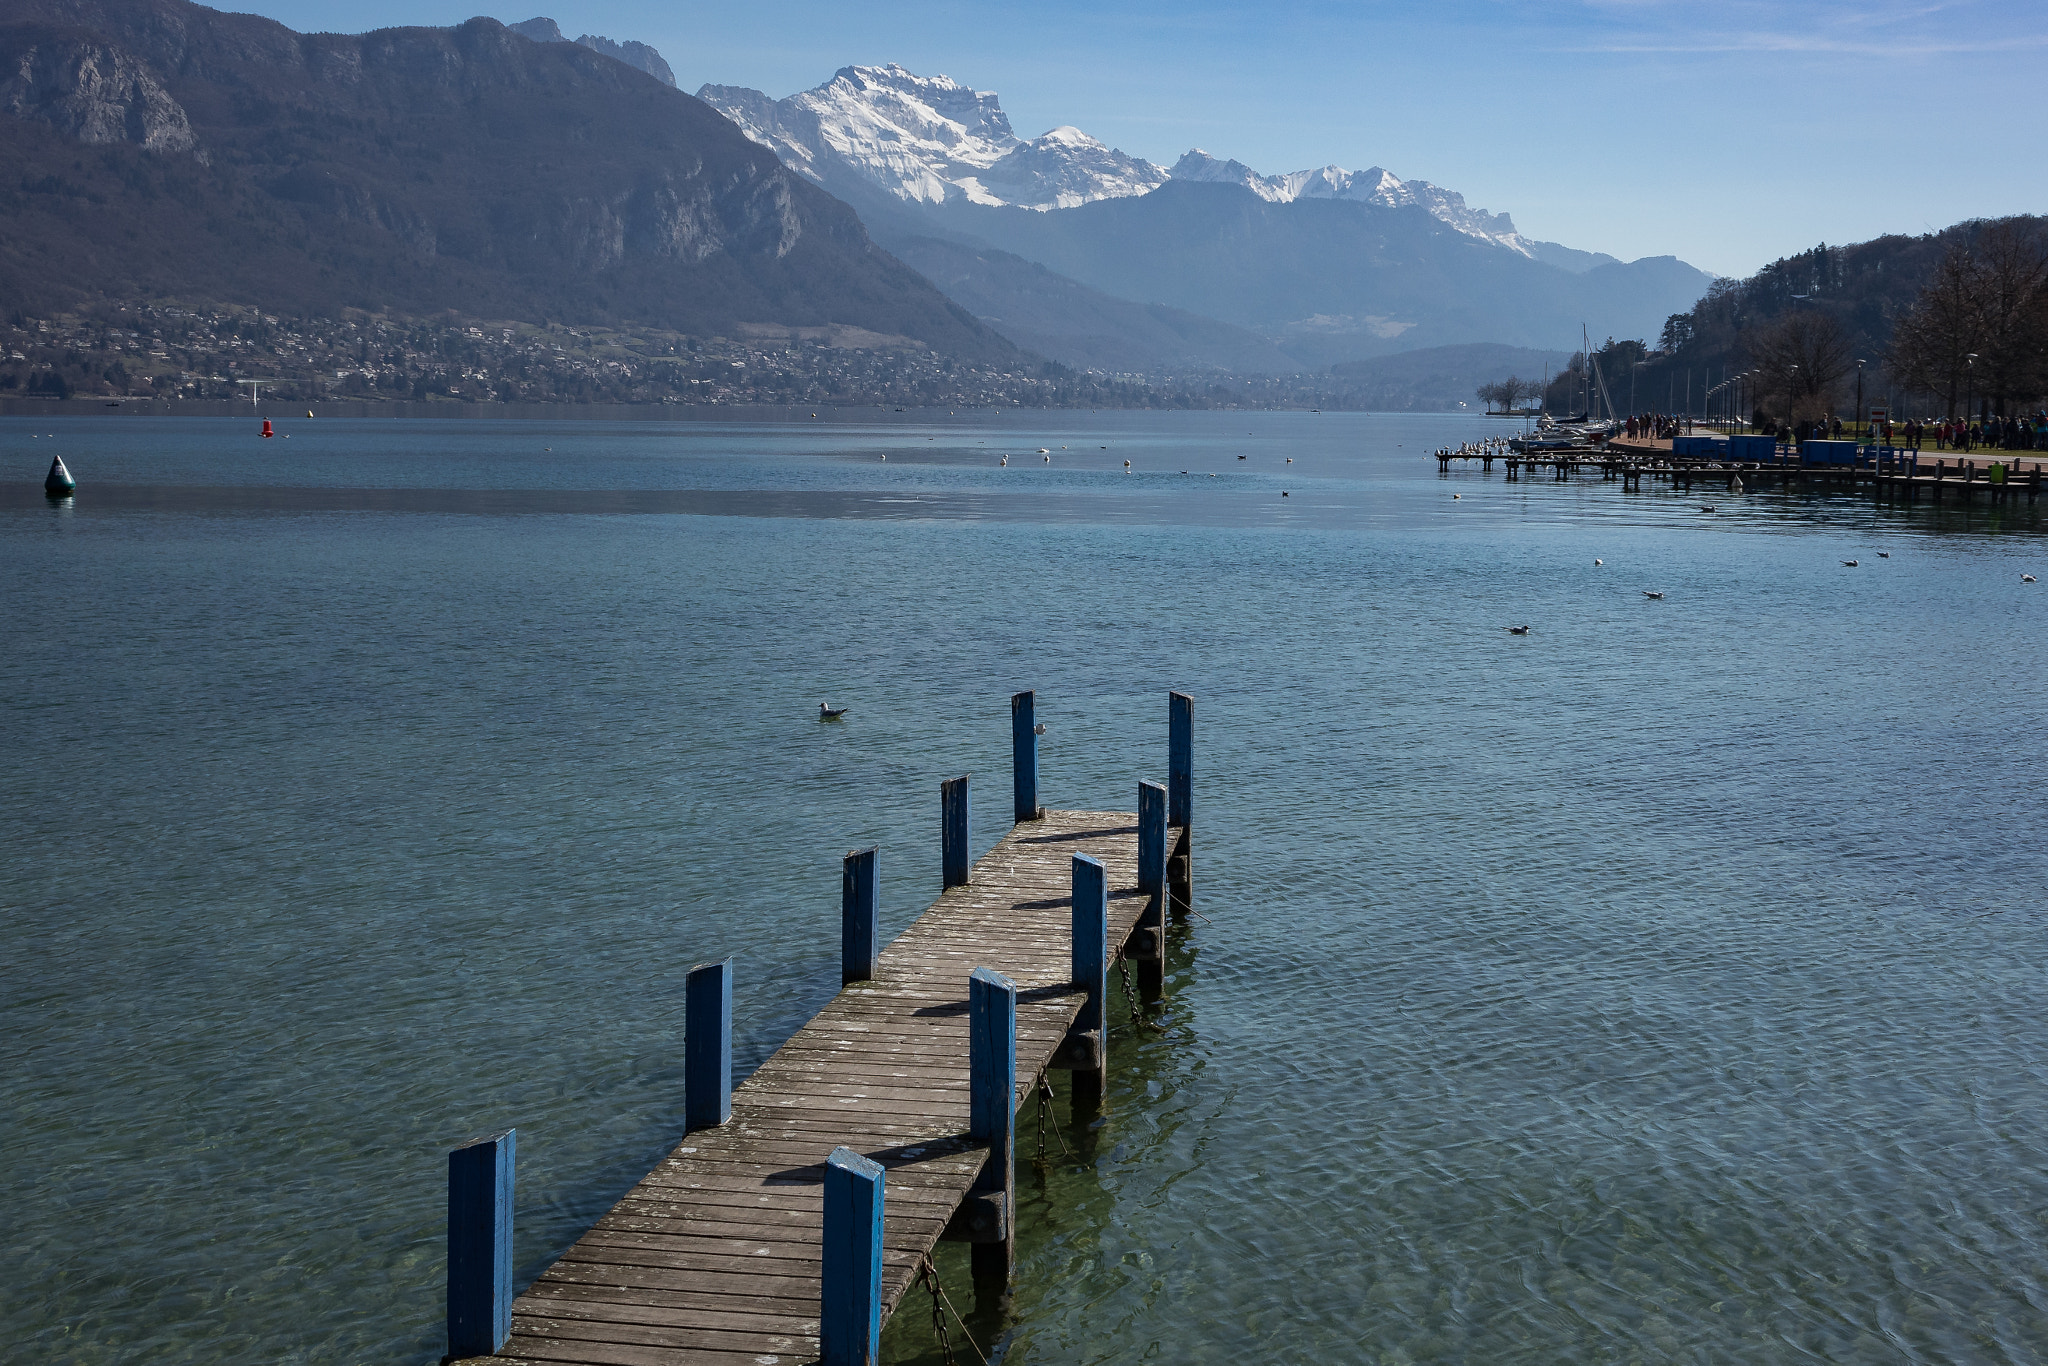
714,1259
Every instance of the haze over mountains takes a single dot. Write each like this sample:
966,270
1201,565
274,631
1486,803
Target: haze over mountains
159,150
1305,269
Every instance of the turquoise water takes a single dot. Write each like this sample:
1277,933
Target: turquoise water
1665,984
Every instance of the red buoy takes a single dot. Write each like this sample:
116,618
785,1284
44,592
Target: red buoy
266,428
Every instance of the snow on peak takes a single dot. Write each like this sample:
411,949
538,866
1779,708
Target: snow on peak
930,139
1374,185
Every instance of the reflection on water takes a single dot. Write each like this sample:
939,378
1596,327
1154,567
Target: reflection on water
1666,983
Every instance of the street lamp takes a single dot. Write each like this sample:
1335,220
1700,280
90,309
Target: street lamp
1859,393
1969,394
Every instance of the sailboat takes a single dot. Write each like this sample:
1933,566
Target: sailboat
1581,433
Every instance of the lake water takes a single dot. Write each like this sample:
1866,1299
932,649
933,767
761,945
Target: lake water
1664,984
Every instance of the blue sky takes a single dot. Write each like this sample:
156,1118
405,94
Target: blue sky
1728,134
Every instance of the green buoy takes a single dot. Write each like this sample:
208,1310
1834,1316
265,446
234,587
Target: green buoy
58,483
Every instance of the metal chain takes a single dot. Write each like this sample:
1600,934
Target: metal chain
1138,1020
929,1276
1041,1119
1045,1098
1123,966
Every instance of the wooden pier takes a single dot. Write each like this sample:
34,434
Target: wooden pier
812,1194
1894,475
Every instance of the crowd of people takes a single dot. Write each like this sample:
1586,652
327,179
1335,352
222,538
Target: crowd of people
2028,433
1657,426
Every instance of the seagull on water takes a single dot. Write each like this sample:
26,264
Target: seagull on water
1704,508
1518,630
1648,594
1884,554
1599,562
1038,729
2026,578
828,712
1848,564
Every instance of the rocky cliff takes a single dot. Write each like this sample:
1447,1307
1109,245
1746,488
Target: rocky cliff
156,148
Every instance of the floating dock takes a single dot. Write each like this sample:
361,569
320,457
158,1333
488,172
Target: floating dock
799,1208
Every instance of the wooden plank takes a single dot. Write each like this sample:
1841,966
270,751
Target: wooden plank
715,1257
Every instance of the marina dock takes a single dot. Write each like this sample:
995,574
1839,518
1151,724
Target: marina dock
1886,472
800,1207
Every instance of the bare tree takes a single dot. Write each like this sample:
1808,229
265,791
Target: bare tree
2012,311
1803,356
1508,394
1934,345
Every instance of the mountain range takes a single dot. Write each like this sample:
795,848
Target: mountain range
1307,269
157,150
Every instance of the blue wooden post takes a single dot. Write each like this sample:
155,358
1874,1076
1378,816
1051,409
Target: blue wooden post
1024,753
992,1060
860,891
480,1245
1180,759
850,1287
953,828
1151,837
707,1046
992,1107
1091,938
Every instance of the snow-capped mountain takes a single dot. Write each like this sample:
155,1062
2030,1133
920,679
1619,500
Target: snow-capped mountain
930,139
1370,186
1125,259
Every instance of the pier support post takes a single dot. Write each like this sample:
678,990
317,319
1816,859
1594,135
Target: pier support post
850,1283
1180,758
1150,932
860,891
1085,1051
480,1245
992,1119
1024,754
953,829
1180,799
707,1046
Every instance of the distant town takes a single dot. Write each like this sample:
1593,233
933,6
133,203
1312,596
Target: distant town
164,352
